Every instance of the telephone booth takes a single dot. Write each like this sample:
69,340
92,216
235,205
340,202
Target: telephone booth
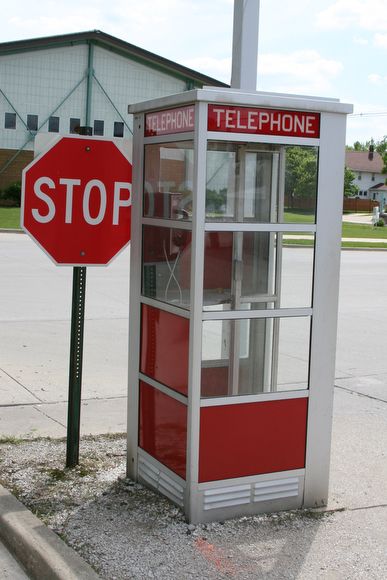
236,229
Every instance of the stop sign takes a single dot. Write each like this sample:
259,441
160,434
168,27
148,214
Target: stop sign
76,200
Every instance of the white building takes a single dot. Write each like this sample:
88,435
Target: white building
56,84
367,167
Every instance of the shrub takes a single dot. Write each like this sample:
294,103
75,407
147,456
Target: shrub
13,193
380,223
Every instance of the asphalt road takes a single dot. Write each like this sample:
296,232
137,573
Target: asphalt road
35,306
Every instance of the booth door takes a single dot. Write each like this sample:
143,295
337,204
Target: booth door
243,265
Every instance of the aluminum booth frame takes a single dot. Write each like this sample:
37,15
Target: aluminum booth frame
204,452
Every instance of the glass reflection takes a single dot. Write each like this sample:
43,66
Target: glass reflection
168,177
167,265
261,183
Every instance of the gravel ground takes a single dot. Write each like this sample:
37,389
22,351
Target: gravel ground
127,532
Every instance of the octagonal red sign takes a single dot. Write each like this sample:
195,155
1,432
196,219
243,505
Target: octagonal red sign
76,201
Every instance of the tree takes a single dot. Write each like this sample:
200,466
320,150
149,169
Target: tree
350,189
301,172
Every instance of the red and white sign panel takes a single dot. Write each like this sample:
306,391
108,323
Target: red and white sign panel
179,120
260,121
76,201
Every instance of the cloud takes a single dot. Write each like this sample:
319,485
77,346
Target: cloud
364,14
380,40
219,68
300,71
360,40
377,79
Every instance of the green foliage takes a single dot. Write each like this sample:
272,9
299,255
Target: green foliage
350,188
13,193
215,200
301,172
357,146
380,223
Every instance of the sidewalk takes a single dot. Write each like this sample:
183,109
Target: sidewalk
358,218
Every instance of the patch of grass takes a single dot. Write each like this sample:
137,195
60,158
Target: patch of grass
368,245
351,230
299,242
10,218
299,217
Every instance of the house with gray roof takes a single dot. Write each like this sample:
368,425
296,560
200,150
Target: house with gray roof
368,168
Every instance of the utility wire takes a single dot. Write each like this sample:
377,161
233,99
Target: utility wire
379,114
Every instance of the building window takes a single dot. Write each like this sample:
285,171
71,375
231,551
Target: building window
373,177
10,121
74,125
359,176
118,129
98,128
32,122
53,124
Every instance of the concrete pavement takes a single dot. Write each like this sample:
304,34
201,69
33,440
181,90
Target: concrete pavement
35,306
43,553
10,569
34,345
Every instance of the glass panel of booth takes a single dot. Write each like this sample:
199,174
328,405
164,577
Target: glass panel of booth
249,270
261,183
253,356
168,175
242,270
166,258
246,182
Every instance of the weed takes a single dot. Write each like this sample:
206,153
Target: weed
11,440
57,474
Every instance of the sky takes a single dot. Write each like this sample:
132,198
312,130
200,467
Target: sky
326,48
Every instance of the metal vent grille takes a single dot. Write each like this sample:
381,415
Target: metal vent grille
277,489
250,493
226,496
161,481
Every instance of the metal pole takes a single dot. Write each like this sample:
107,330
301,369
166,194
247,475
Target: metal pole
89,86
75,374
245,45
76,351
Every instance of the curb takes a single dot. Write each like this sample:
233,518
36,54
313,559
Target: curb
42,553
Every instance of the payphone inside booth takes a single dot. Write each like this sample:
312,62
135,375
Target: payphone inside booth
233,305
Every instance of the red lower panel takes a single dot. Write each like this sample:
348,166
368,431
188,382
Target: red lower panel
252,438
163,428
164,348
